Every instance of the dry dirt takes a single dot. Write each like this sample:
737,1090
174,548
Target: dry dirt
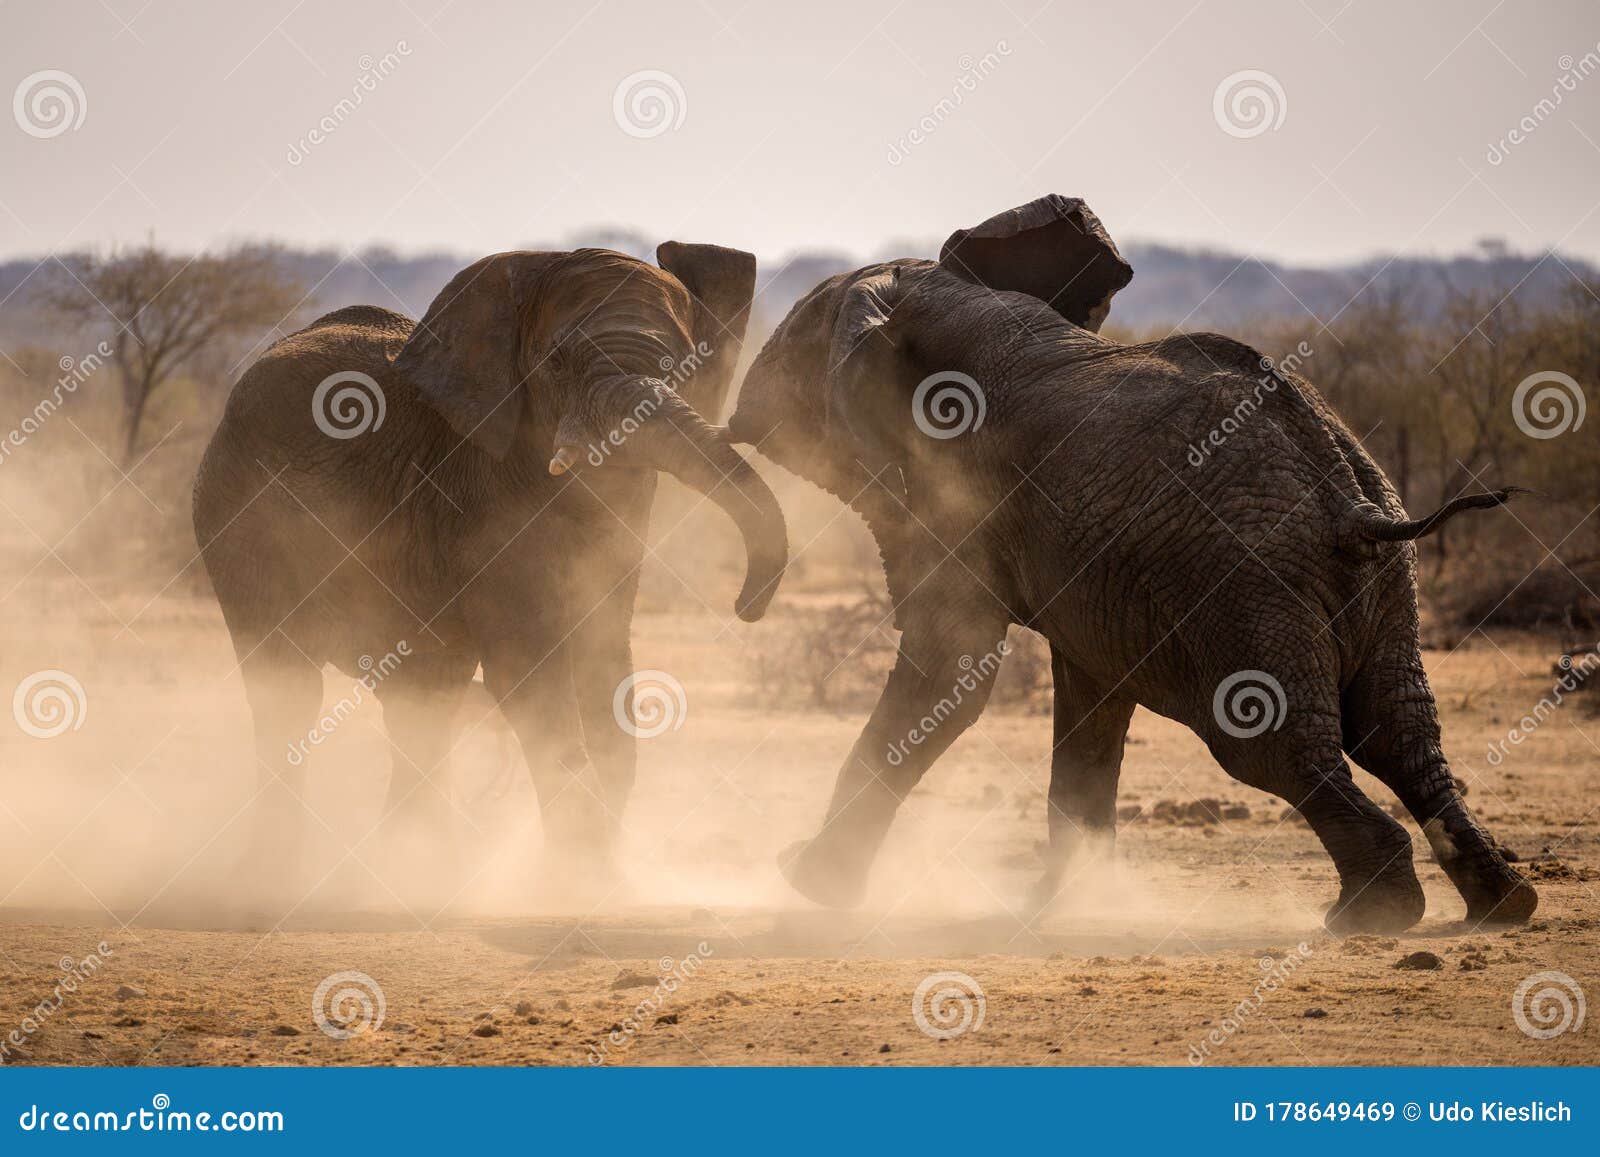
1204,938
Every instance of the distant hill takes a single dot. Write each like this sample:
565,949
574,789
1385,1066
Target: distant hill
1172,287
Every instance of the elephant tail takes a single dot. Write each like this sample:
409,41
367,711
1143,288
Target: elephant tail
1368,524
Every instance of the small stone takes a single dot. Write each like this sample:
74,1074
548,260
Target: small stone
285,1030
524,1008
1419,962
130,992
90,1034
486,1030
626,979
1088,990
667,1018
886,1048
1315,1013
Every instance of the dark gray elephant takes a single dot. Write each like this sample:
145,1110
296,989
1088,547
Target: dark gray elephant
1016,467
476,487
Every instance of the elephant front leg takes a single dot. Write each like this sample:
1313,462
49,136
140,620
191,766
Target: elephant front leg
941,680
1091,727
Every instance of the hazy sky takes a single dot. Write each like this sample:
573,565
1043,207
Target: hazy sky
790,125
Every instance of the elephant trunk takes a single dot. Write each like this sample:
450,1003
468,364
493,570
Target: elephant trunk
651,425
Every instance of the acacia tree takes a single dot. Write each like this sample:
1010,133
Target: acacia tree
168,308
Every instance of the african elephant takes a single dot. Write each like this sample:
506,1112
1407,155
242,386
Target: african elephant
380,483
1017,467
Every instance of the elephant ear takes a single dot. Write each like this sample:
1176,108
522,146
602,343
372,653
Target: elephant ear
865,367
465,356
721,284
1054,249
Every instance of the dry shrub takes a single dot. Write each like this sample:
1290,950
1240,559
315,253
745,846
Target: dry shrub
830,655
835,655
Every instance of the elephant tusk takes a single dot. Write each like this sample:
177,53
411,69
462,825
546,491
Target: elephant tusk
566,457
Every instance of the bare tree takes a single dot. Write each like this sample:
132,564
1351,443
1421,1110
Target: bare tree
168,308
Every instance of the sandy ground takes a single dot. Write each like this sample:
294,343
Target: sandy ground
119,844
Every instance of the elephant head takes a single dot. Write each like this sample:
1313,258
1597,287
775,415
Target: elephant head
849,390
594,356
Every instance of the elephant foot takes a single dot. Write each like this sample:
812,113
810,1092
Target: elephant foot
1086,855
821,878
1509,899
268,884
1385,905
571,879
1041,896
1495,892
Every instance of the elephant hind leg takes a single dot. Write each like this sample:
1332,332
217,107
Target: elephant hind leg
1391,725
284,690
1303,764
420,699
1091,727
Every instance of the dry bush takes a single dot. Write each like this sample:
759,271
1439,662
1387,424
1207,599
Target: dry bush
68,509
832,654
835,655
1433,401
